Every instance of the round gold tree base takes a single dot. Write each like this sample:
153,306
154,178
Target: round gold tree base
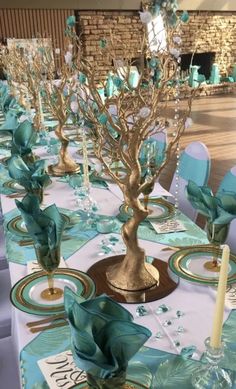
98,273
58,171
212,266
52,294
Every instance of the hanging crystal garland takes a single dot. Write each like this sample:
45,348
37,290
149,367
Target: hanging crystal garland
176,52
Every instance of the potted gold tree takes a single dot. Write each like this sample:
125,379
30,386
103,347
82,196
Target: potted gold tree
121,123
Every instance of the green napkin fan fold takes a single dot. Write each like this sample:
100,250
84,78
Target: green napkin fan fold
104,336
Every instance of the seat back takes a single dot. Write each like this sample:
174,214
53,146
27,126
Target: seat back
228,184
194,164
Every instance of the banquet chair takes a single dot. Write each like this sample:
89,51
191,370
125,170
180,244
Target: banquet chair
228,184
5,305
194,164
9,376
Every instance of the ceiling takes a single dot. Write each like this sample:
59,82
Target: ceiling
224,5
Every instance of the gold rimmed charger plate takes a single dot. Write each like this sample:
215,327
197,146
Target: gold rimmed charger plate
161,208
16,225
24,294
188,263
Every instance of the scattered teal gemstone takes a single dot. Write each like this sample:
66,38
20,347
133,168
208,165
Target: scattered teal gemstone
106,249
180,330
159,335
113,239
141,310
167,323
187,352
162,309
179,314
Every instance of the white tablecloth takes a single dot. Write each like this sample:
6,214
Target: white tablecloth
196,302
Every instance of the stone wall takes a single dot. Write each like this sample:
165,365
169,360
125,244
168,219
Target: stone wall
94,25
212,32
206,31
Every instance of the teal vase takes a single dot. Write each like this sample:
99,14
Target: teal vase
215,74
234,73
194,76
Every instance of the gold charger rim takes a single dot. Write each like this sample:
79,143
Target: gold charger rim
175,264
158,201
18,289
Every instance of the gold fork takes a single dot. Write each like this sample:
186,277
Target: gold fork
47,320
36,326
49,327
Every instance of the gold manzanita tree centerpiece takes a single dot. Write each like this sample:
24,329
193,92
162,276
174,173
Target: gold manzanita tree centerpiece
57,95
133,113
25,65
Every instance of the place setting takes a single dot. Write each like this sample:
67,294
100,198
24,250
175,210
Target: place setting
41,292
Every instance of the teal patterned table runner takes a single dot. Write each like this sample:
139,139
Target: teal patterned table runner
80,232
154,368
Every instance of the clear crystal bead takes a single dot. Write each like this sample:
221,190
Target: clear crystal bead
141,310
179,314
162,309
167,323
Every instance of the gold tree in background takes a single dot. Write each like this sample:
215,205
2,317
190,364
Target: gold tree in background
136,108
57,97
25,66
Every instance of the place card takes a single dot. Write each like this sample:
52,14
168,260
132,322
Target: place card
33,266
167,226
60,371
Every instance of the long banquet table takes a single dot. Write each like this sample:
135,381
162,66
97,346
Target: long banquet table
83,249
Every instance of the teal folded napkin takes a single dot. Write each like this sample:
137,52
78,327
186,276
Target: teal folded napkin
24,138
219,209
11,122
32,176
104,336
45,227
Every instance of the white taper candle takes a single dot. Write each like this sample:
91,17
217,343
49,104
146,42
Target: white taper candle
215,341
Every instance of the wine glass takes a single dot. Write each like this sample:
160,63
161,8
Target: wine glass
49,260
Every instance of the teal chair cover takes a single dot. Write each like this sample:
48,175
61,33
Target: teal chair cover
228,184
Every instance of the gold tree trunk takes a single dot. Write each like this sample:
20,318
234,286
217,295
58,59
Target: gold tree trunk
65,165
133,273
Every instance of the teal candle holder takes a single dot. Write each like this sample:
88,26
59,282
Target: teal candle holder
211,375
